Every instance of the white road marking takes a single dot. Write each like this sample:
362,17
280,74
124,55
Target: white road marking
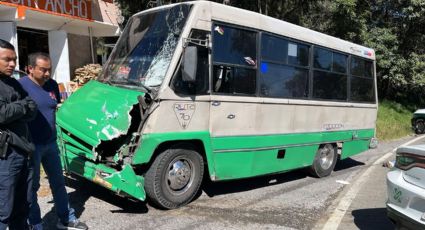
345,203
342,182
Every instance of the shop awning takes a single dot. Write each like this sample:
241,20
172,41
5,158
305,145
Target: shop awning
29,18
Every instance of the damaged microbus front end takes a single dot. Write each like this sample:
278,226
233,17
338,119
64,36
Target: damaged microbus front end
110,129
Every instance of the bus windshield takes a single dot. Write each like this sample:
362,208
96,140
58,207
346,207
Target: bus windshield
145,49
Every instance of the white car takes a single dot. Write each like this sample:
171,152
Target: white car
406,188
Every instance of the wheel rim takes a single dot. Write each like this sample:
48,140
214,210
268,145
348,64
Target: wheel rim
420,126
326,157
179,175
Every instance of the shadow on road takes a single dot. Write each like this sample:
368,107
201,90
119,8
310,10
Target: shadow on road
83,191
346,164
241,185
373,218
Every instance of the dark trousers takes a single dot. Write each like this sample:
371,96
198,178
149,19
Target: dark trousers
15,190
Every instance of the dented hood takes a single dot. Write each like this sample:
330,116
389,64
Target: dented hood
98,112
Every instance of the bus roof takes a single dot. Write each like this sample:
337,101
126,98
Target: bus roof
211,11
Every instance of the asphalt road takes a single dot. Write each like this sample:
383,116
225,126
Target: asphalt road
291,200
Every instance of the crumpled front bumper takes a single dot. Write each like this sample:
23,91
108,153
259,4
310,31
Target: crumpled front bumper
124,182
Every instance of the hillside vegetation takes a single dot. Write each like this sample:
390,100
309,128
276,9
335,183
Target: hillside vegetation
393,120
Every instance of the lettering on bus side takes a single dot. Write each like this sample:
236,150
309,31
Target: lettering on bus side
333,126
184,113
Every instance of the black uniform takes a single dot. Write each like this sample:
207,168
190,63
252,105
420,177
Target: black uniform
16,109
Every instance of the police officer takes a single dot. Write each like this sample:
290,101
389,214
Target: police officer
16,110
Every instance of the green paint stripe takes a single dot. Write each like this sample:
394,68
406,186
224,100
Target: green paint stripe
151,141
282,146
265,142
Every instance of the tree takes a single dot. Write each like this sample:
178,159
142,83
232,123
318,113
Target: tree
397,33
394,28
129,7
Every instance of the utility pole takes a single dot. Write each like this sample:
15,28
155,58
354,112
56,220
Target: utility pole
259,6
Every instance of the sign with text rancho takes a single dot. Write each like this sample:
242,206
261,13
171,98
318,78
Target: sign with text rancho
75,8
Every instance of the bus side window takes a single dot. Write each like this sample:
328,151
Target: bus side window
234,80
284,68
223,79
201,86
361,80
234,60
330,75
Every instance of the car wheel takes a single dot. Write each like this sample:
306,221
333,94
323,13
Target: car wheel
174,177
419,126
324,161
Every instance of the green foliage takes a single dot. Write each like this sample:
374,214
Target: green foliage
348,20
393,121
128,8
394,28
397,34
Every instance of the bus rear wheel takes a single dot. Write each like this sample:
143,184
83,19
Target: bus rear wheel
324,161
174,177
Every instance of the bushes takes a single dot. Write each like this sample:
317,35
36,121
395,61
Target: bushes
393,120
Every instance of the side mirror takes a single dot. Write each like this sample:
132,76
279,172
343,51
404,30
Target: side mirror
190,62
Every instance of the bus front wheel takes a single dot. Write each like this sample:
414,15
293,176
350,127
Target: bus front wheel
174,177
324,161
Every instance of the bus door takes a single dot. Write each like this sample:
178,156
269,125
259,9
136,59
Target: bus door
233,99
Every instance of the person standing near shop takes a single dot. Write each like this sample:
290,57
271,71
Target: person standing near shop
16,110
45,93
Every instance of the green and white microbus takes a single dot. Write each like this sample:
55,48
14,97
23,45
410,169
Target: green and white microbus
199,89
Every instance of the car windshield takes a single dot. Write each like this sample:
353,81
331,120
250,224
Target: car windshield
145,49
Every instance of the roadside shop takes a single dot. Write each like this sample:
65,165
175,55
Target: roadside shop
66,29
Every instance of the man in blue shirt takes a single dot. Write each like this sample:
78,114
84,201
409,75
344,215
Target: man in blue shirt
45,92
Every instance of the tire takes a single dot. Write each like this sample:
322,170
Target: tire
175,176
324,161
419,126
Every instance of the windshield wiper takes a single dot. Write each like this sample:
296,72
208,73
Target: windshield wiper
115,82
129,82
139,84
109,82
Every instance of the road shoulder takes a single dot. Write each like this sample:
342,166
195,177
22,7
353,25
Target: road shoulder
358,199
